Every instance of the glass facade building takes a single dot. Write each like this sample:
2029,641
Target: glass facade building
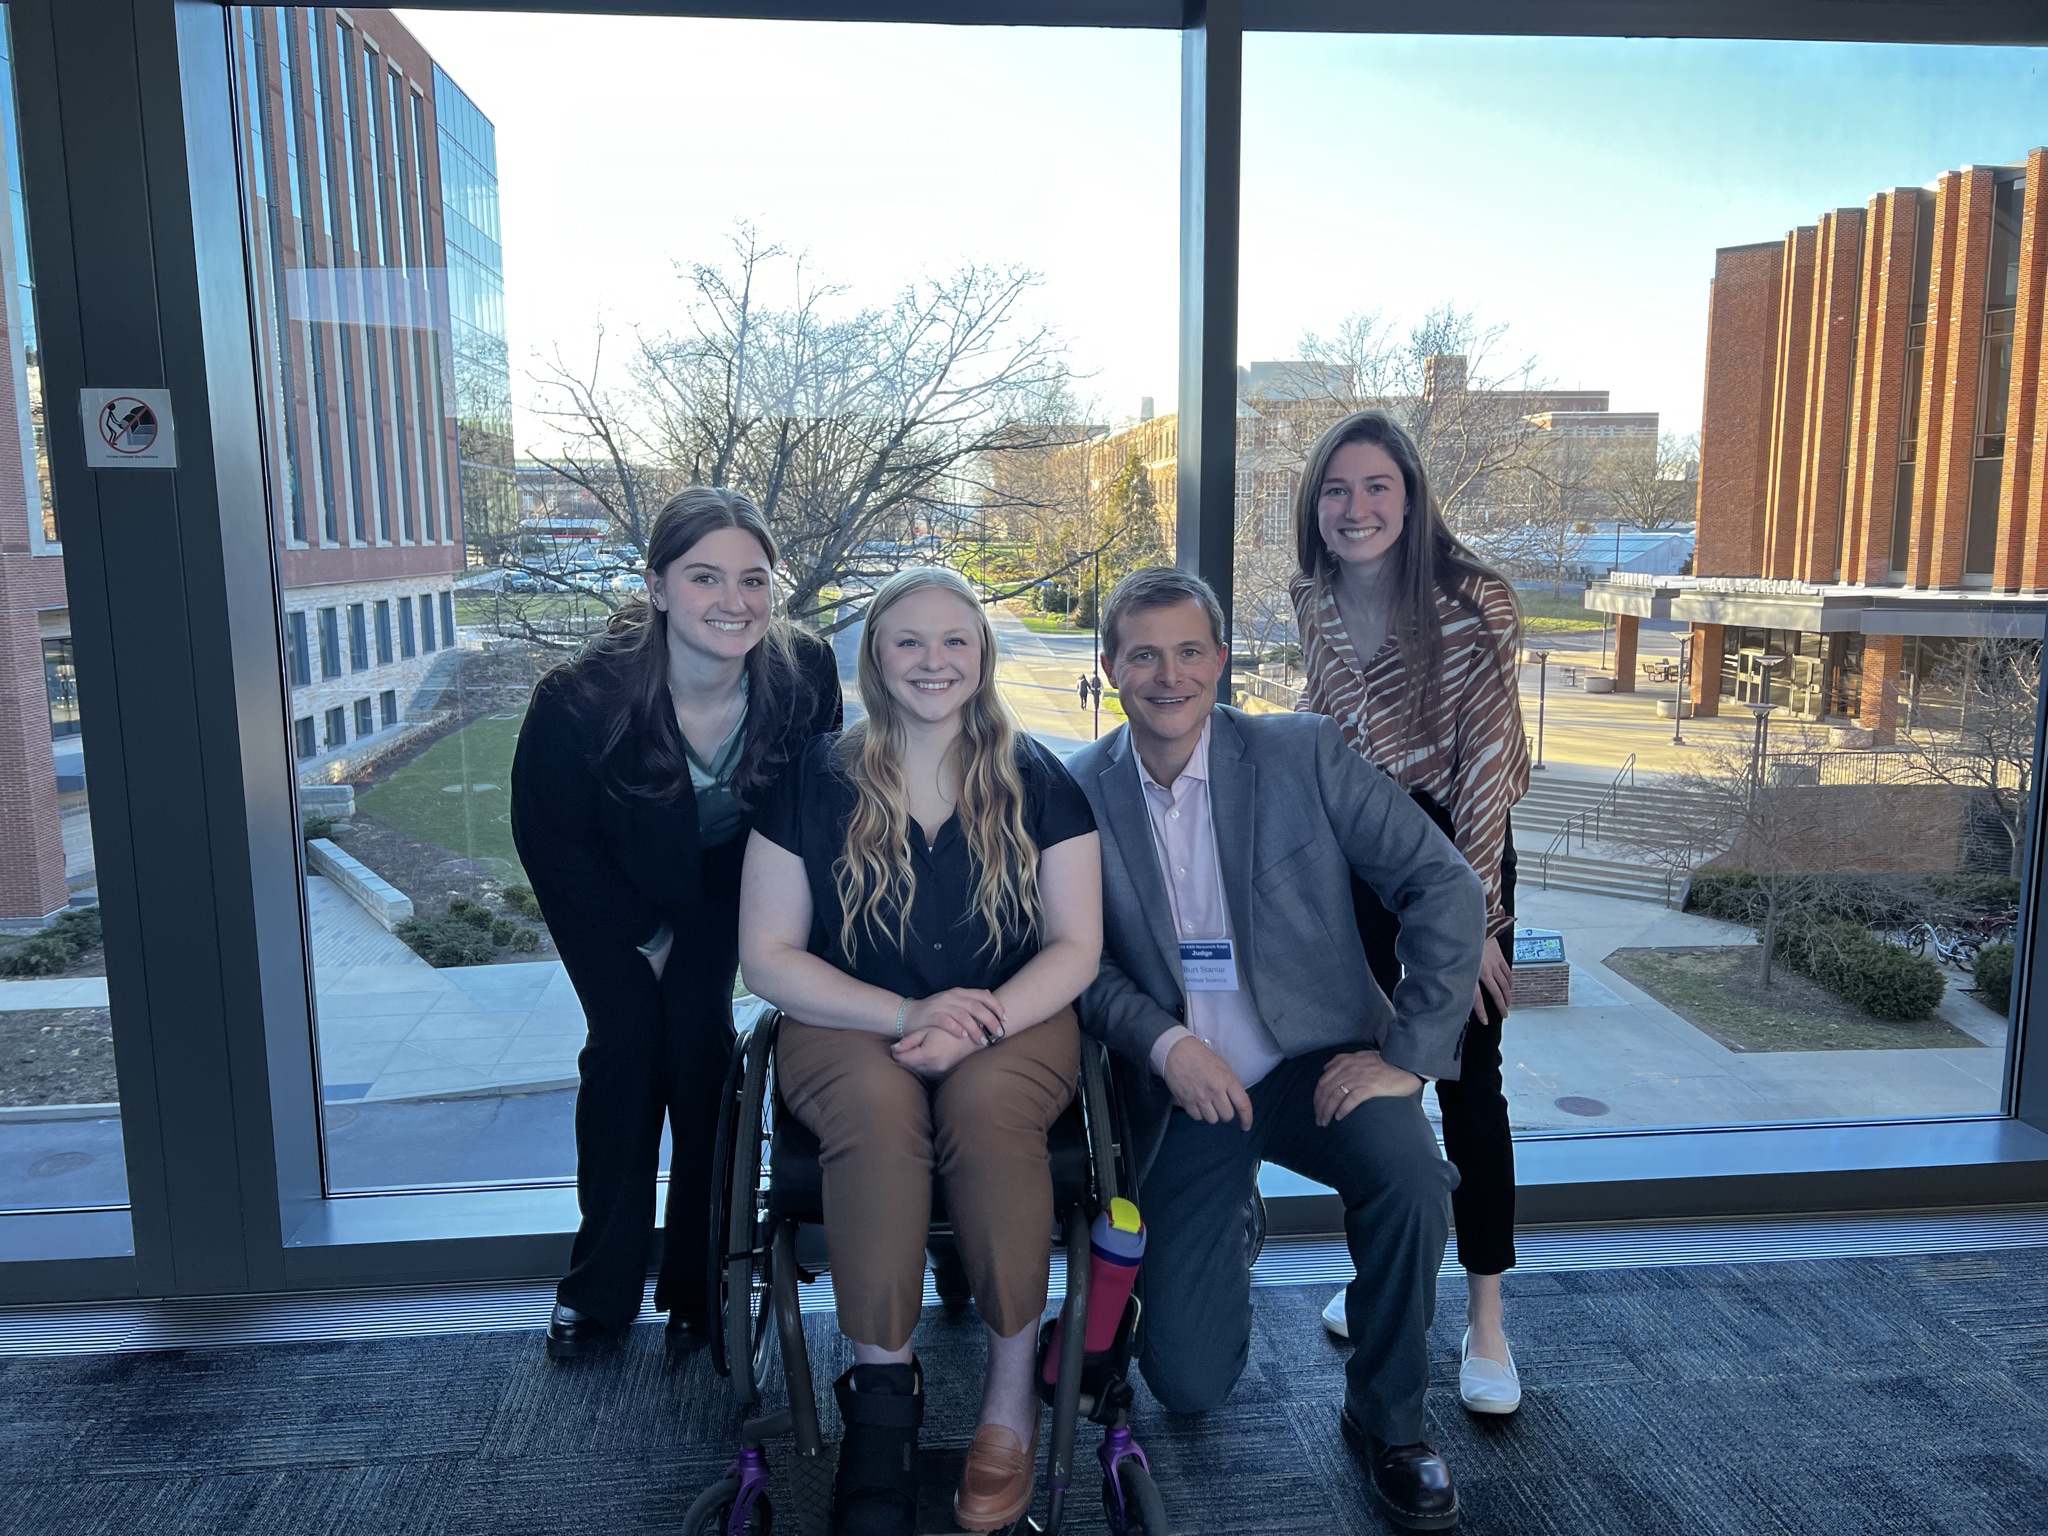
479,357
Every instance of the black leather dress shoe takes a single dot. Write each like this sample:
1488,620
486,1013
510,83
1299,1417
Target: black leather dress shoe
572,1333
1412,1481
685,1334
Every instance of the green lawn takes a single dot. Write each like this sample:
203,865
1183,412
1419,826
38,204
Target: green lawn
1044,623
532,607
1715,990
1547,613
457,794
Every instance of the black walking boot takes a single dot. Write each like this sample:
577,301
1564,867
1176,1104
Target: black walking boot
874,1492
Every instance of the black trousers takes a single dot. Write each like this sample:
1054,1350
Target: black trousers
637,1069
1475,1107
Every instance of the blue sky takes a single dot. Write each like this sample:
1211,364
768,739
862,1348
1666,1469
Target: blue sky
1574,191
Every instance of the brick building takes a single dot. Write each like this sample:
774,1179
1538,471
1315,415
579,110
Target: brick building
385,387
1284,406
1871,484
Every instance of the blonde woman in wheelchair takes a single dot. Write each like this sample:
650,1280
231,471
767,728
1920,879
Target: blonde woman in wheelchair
923,893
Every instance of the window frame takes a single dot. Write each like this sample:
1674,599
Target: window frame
330,642
140,275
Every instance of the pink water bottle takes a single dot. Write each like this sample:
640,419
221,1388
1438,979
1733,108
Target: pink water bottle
1115,1244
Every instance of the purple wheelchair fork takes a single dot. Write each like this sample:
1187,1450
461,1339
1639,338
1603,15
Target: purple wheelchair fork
751,1468
1117,1445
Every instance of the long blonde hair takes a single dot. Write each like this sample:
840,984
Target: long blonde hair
874,874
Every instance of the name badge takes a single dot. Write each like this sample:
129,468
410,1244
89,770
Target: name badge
1207,965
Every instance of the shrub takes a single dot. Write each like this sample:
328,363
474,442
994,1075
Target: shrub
44,955
1883,980
502,929
1735,896
1994,976
78,928
1977,890
446,940
473,913
520,899
311,827
525,942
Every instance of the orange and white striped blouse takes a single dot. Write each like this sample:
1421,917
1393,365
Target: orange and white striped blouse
1473,758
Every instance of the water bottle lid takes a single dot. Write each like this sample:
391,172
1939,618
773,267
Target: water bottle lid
1123,1216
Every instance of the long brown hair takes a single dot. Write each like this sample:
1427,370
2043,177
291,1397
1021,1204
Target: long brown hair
1429,558
624,671
875,877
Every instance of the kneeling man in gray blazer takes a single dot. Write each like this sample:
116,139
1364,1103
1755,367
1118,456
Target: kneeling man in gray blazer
1247,1025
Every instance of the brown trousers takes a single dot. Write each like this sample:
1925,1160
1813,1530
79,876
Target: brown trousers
882,1133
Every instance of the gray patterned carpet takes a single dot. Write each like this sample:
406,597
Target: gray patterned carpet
1842,1397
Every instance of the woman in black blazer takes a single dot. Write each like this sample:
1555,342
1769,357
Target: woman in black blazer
638,766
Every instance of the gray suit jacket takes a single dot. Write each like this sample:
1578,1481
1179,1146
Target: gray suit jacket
1297,812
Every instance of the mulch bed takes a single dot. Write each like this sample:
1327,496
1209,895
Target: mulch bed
431,875
56,1056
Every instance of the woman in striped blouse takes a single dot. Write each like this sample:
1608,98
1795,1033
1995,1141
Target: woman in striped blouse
1409,643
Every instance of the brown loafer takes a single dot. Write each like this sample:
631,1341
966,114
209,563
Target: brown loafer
997,1483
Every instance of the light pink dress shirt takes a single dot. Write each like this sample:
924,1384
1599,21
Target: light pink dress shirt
1184,837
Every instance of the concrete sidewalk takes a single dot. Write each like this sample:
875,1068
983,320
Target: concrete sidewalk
1616,1047
394,1027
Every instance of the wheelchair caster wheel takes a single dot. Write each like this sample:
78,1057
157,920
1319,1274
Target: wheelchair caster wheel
1137,1510
712,1514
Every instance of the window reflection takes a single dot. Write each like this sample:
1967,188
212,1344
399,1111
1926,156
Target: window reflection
60,1126
1782,628
455,516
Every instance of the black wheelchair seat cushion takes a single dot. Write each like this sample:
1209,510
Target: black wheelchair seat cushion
797,1182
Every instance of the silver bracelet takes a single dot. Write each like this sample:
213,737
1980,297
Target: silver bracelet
902,1012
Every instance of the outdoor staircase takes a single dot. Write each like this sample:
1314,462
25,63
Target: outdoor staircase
1555,799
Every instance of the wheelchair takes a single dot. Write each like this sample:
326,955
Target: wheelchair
767,1183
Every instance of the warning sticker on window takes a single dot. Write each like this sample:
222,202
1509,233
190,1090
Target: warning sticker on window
128,429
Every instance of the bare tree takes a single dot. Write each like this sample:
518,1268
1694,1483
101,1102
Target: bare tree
1446,379
1649,486
1781,849
1995,685
1543,511
854,427
1263,612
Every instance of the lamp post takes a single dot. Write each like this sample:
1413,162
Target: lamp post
1542,682
1759,746
1678,689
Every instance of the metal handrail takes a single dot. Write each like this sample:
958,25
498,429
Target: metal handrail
1589,820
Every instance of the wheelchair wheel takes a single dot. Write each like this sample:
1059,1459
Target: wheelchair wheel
741,1262
1143,1511
708,1516
1255,1227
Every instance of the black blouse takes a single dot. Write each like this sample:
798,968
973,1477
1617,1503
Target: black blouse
806,812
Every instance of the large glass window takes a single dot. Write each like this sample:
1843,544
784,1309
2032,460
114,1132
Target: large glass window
974,371
60,1120
1767,910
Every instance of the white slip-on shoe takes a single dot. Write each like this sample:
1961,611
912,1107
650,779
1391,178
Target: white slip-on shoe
1487,1386
1335,1319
